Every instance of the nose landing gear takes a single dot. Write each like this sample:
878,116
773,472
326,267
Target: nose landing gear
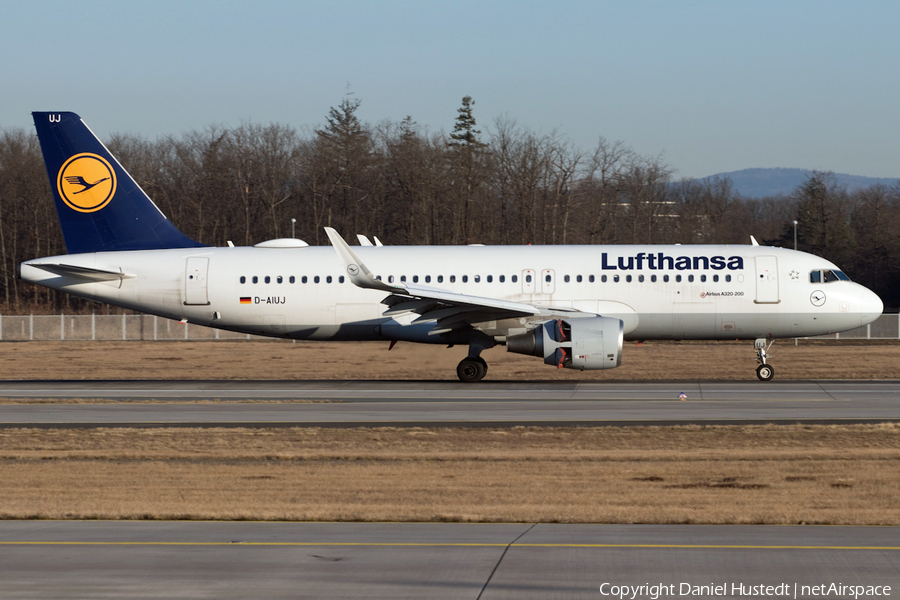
764,371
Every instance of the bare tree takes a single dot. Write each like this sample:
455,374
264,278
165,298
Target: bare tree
602,184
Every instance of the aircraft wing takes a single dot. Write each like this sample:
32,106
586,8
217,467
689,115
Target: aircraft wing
84,273
451,310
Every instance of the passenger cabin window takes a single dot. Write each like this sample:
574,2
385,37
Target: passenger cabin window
628,278
490,278
578,279
341,279
703,278
665,279
727,278
691,278
440,279
279,279
715,278
678,279
243,279
453,279
502,278
514,278
304,279
478,279
255,279
292,279
641,278
528,279
653,278
328,279
616,278
465,279
566,278
591,279
603,279
316,279
428,279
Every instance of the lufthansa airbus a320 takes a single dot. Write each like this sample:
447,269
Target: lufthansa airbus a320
572,306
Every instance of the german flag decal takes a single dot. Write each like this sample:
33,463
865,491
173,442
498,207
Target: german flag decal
246,300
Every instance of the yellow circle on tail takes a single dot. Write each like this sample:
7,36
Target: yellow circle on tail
86,182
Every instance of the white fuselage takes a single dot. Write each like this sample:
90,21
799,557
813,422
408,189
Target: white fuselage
659,292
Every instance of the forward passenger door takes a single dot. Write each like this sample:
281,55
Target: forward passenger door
767,280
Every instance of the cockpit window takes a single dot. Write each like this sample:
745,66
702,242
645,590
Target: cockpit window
827,276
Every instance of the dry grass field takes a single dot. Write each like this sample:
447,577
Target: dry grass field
750,474
738,474
372,360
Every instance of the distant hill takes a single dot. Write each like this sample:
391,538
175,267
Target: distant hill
757,183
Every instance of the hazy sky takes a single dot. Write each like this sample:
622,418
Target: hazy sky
714,86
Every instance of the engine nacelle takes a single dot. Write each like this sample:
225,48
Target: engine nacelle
588,343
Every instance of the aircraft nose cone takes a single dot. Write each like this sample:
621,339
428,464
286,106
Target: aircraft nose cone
871,306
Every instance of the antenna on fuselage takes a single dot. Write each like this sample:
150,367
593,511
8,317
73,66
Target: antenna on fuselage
753,241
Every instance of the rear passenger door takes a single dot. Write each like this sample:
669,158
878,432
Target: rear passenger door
195,281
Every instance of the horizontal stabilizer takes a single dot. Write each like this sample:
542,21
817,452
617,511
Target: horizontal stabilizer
83,273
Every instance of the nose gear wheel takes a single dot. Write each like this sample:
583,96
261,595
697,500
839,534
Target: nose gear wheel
764,371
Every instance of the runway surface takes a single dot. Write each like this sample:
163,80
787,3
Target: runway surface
361,403
115,559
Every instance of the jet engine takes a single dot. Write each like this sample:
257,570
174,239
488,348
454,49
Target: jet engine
583,343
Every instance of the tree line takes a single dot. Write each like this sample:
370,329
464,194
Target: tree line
406,185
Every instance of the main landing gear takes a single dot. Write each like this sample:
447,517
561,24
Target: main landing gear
473,368
764,371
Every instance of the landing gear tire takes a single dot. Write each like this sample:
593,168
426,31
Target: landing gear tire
765,372
483,363
471,370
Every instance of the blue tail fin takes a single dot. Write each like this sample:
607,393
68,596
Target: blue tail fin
100,206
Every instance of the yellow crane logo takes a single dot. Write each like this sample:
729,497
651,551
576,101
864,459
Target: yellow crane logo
86,182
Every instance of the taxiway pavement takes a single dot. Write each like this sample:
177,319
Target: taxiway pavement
116,559
367,403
